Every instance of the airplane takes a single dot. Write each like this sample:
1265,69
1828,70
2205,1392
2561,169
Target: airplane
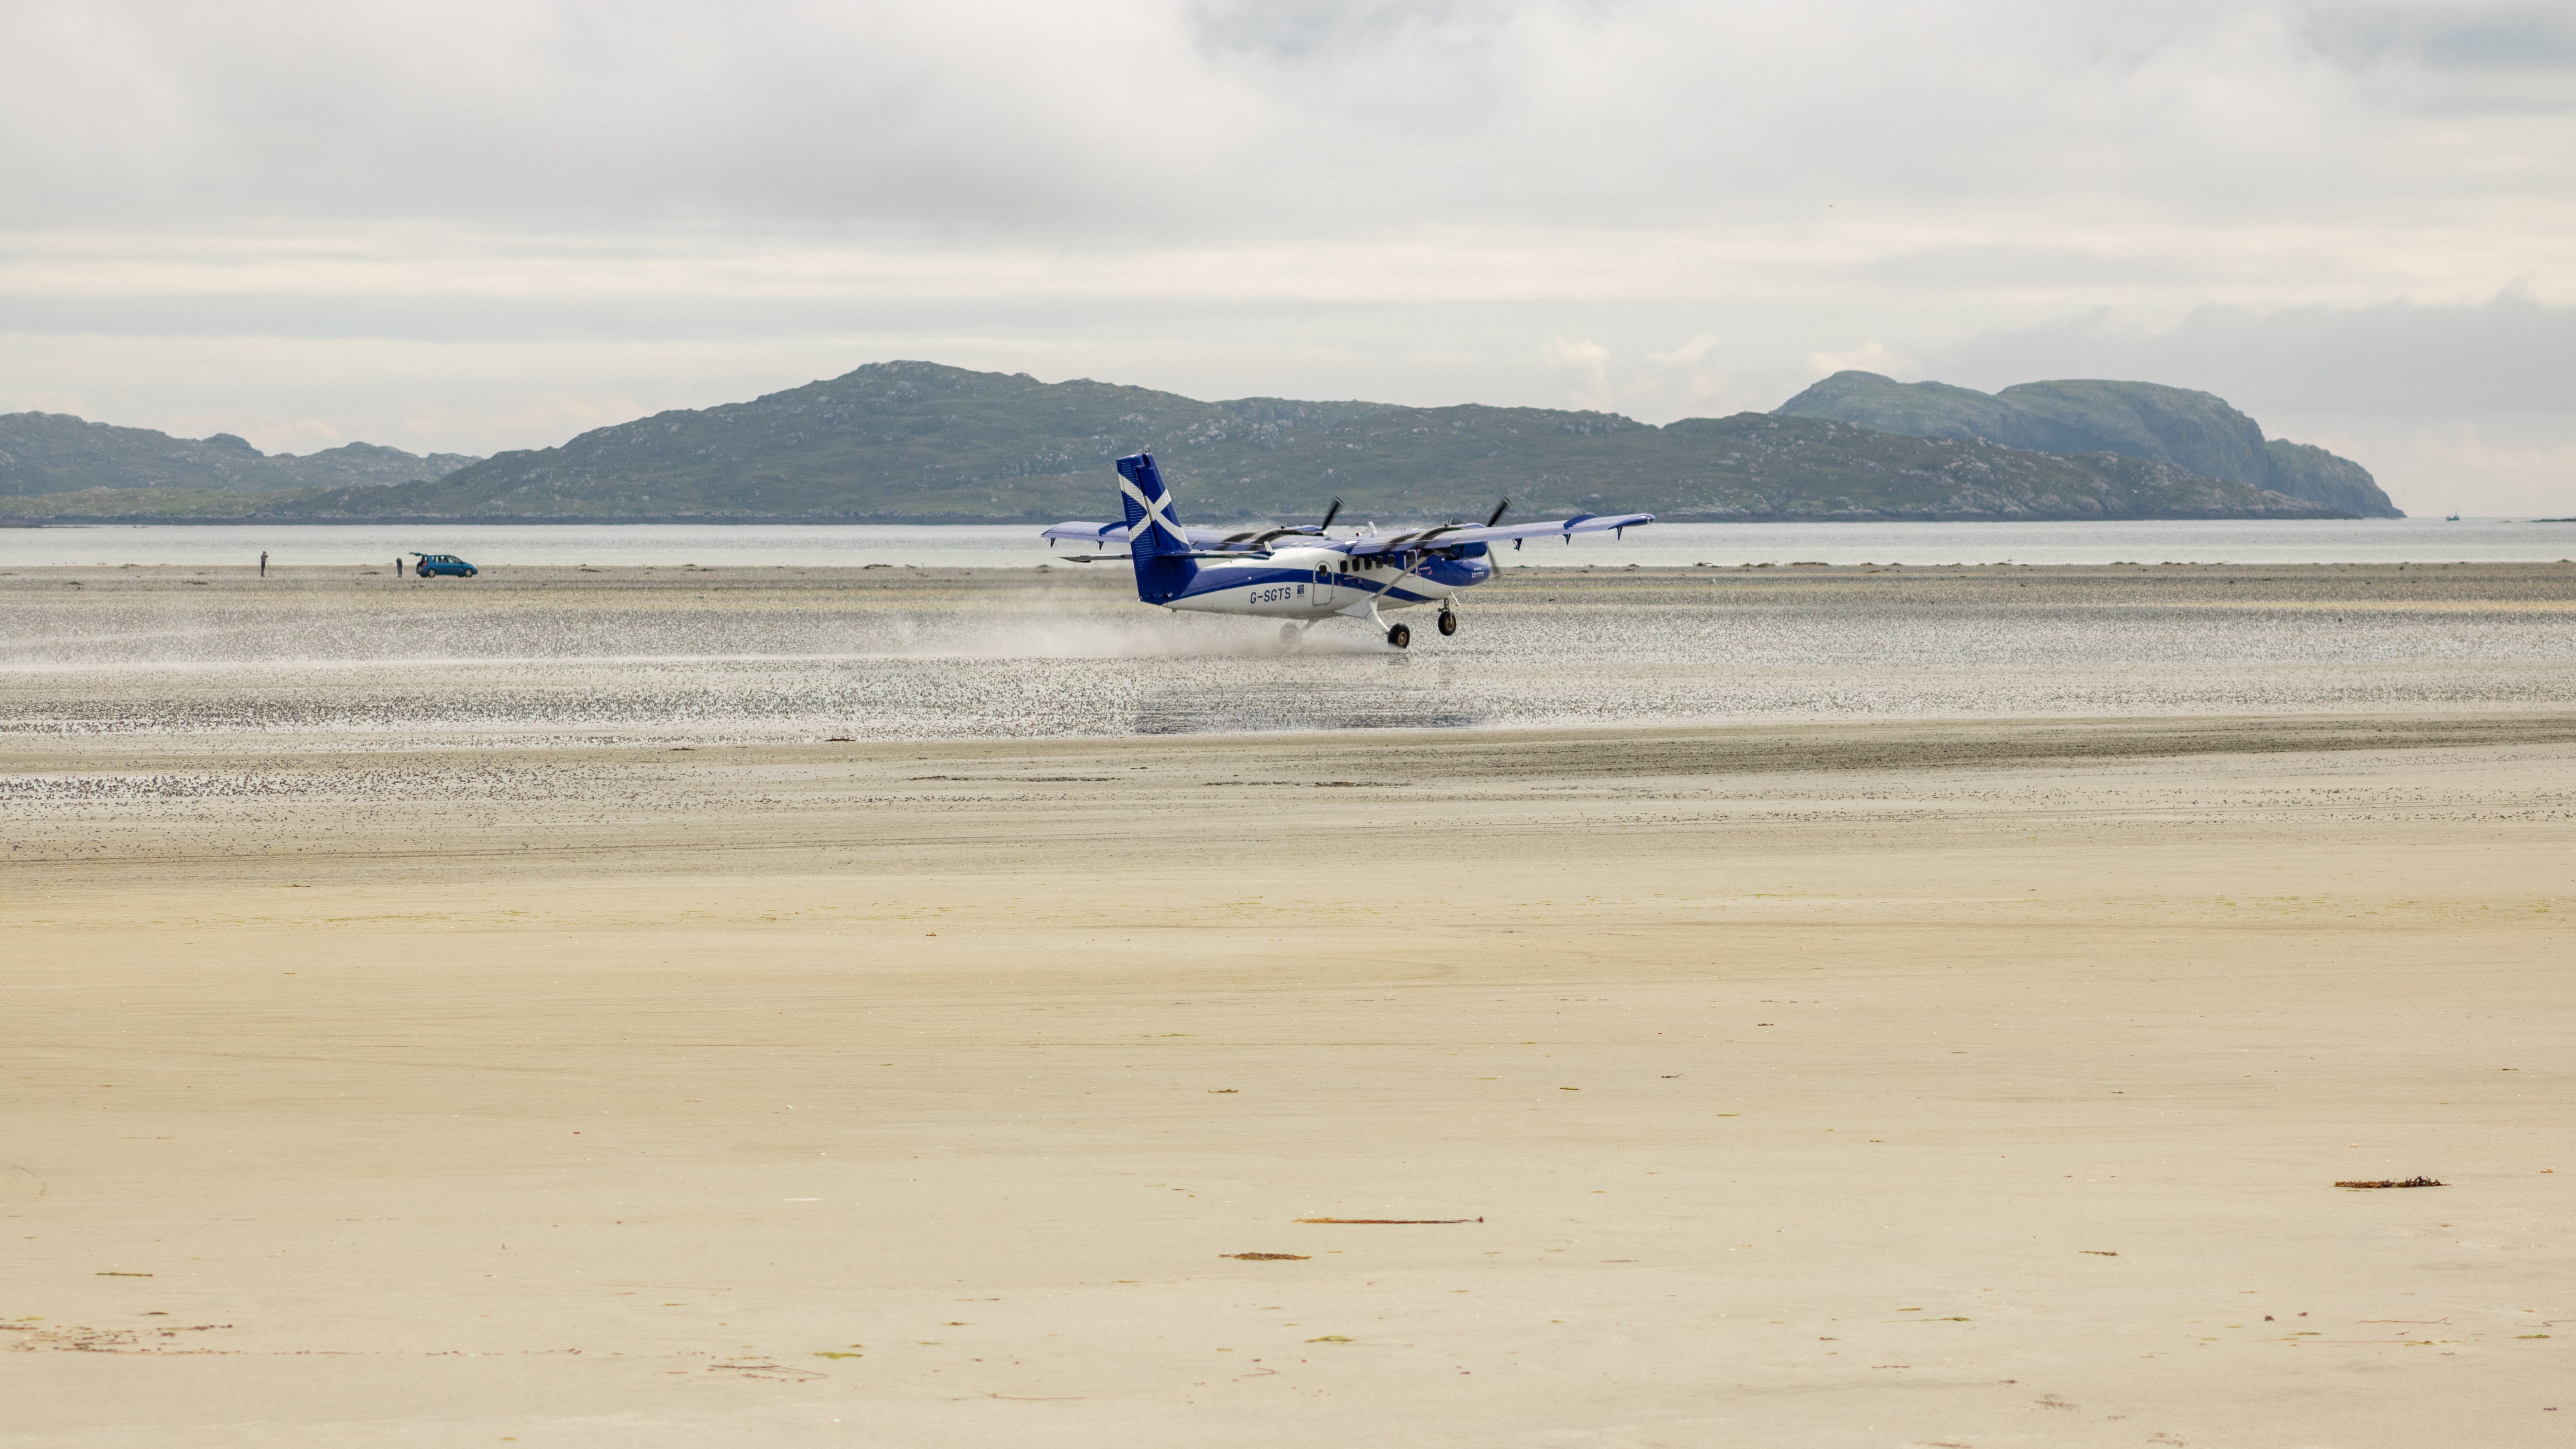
1301,573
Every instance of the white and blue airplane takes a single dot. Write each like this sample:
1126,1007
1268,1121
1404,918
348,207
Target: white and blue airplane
1302,574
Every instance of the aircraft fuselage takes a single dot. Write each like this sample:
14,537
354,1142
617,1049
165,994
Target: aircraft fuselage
1323,583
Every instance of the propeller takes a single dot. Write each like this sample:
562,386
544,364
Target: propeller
1262,538
1428,534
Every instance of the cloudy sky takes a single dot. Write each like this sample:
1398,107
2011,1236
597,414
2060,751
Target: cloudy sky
487,224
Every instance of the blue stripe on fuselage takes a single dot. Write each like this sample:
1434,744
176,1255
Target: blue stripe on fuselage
1219,577
1215,577
1224,577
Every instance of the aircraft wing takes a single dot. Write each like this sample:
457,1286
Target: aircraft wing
1255,540
1209,540
1450,534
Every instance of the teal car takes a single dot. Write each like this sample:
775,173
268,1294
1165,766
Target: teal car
434,565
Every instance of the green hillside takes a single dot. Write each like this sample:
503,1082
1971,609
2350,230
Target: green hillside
920,442
2192,430
56,453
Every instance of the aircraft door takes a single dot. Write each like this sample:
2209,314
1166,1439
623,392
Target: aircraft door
1325,592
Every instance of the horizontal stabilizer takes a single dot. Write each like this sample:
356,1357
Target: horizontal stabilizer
1087,532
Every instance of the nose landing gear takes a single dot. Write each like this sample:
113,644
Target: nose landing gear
1400,635
1448,622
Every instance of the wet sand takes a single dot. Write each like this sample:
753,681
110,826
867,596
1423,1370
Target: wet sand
687,656
1848,1082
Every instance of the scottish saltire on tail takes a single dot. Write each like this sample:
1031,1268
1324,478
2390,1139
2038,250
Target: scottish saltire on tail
1301,574
1154,538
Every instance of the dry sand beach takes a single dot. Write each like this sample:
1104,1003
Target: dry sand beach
1936,1011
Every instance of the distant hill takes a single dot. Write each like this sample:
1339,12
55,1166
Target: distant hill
2192,430
917,441
43,453
921,442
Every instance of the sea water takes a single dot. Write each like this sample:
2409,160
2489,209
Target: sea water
2398,540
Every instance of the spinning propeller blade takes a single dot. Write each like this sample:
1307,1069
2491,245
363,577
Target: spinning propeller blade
1257,541
1498,513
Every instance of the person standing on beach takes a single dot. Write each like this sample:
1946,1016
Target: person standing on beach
263,563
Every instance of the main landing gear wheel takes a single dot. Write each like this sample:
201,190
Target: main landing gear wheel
1448,622
1400,635
1288,634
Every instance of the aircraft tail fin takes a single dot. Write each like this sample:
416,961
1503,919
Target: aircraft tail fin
1155,540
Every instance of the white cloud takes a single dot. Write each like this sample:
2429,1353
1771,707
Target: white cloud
1593,361
1868,357
1696,350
